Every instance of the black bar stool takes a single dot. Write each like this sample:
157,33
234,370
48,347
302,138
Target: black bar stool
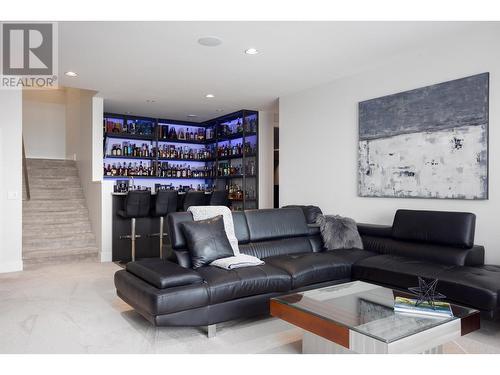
219,198
194,198
166,202
137,205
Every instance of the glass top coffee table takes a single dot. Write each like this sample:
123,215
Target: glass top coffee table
359,317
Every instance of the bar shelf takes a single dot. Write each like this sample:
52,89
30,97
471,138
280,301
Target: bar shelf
216,133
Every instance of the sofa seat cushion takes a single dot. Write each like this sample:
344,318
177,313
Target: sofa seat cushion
312,268
350,255
148,299
474,286
163,273
225,285
396,271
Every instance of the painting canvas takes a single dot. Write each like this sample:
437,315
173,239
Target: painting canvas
431,142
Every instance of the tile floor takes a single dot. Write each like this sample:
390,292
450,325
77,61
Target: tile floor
73,308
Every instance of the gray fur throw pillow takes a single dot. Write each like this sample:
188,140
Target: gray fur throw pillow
339,232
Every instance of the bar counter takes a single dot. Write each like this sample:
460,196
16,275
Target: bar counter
146,247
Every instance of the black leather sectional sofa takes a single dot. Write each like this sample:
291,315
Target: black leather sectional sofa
424,243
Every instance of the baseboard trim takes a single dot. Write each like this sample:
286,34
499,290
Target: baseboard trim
15,266
106,256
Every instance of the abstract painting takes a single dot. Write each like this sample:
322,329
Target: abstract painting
430,142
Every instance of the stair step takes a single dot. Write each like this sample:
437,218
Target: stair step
65,211
69,253
48,172
35,231
52,218
55,205
44,183
56,194
59,243
50,162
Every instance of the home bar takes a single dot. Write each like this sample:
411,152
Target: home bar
209,163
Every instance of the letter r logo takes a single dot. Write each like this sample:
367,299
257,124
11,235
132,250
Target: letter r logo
27,49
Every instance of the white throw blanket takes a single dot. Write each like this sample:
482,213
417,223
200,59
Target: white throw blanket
238,261
208,212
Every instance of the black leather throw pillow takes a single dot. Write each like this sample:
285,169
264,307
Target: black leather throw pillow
206,241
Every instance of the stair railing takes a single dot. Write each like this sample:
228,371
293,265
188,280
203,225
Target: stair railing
25,174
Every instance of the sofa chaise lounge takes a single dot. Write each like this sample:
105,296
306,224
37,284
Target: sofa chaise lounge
430,244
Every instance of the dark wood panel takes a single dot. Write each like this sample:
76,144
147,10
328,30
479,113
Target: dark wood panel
470,323
311,323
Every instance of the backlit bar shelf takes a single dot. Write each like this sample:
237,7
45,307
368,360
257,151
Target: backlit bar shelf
129,157
161,178
235,131
131,136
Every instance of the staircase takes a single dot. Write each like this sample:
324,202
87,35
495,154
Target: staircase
56,225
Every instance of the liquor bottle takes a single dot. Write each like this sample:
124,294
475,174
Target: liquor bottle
172,134
253,125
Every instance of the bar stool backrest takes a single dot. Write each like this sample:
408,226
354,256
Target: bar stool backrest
219,198
166,202
137,203
194,198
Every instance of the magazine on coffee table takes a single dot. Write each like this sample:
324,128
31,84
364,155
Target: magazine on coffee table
409,306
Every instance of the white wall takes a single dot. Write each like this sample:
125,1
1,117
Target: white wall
10,180
84,143
319,134
44,124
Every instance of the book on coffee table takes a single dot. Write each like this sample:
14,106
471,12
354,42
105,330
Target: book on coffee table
409,306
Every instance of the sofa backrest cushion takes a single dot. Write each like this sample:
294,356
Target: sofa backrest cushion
174,220
269,224
310,212
241,227
430,252
273,224
282,246
454,229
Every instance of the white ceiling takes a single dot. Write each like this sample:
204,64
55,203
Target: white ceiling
131,62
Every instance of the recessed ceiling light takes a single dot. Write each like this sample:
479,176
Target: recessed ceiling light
251,51
210,96
210,41
192,115
150,101
71,74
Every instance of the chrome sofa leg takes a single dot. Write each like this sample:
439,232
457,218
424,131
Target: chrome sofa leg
133,239
211,330
161,237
